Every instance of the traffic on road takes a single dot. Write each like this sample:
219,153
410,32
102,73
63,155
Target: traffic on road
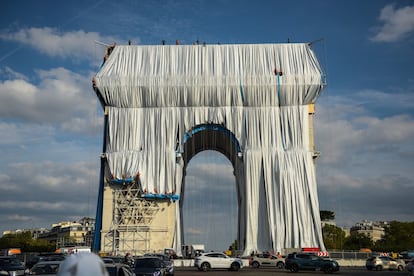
249,271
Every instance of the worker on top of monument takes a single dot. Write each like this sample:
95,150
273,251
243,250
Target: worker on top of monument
108,51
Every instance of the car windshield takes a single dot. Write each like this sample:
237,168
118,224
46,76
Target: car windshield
10,261
45,269
153,262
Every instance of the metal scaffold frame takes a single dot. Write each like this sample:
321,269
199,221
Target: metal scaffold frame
132,216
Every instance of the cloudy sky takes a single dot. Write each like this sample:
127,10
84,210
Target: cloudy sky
51,122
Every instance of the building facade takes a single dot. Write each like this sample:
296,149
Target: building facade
373,229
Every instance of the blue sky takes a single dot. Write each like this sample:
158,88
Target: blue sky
51,121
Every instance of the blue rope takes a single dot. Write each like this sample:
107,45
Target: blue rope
241,86
241,91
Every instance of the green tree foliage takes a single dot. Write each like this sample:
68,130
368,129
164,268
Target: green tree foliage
356,241
327,215
26,243
333,237
398,236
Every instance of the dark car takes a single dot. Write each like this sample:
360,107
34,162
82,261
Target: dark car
11,265
149,266
44,257
167,260
309,261
113,259
45,268
118,269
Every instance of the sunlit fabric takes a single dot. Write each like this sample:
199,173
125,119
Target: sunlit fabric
155,95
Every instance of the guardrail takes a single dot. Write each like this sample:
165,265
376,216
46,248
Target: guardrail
351,255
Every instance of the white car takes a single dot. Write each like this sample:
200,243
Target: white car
210,260
267,260
384,262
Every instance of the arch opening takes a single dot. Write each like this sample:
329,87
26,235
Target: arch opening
210,137
214,148
209,209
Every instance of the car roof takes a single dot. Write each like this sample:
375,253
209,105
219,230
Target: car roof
48,262
50,254
148,258
115,265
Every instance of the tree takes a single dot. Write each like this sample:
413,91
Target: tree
356,241
26,243
327,215
333,237
398,236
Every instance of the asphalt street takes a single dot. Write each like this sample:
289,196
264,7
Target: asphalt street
180,271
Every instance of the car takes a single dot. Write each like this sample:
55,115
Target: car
384,262
167,260
44,257
407,255
410,267
113,259
212,260
310,261
266,260
118,269
45,268
12,265
149,266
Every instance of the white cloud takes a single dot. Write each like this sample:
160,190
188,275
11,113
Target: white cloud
366,159
194,231
76,44
38,205
397,24
18,134
15,217
45,192
8,73
61,96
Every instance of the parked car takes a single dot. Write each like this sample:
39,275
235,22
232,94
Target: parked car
167,260
407,255
149,266
44,257
45,268
118,269
267,260
12,265
113,259
309,261
410,267
210,260
384,262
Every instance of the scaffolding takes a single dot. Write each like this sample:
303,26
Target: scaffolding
132,216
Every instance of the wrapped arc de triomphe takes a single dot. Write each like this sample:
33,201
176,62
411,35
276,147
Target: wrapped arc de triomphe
165,103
